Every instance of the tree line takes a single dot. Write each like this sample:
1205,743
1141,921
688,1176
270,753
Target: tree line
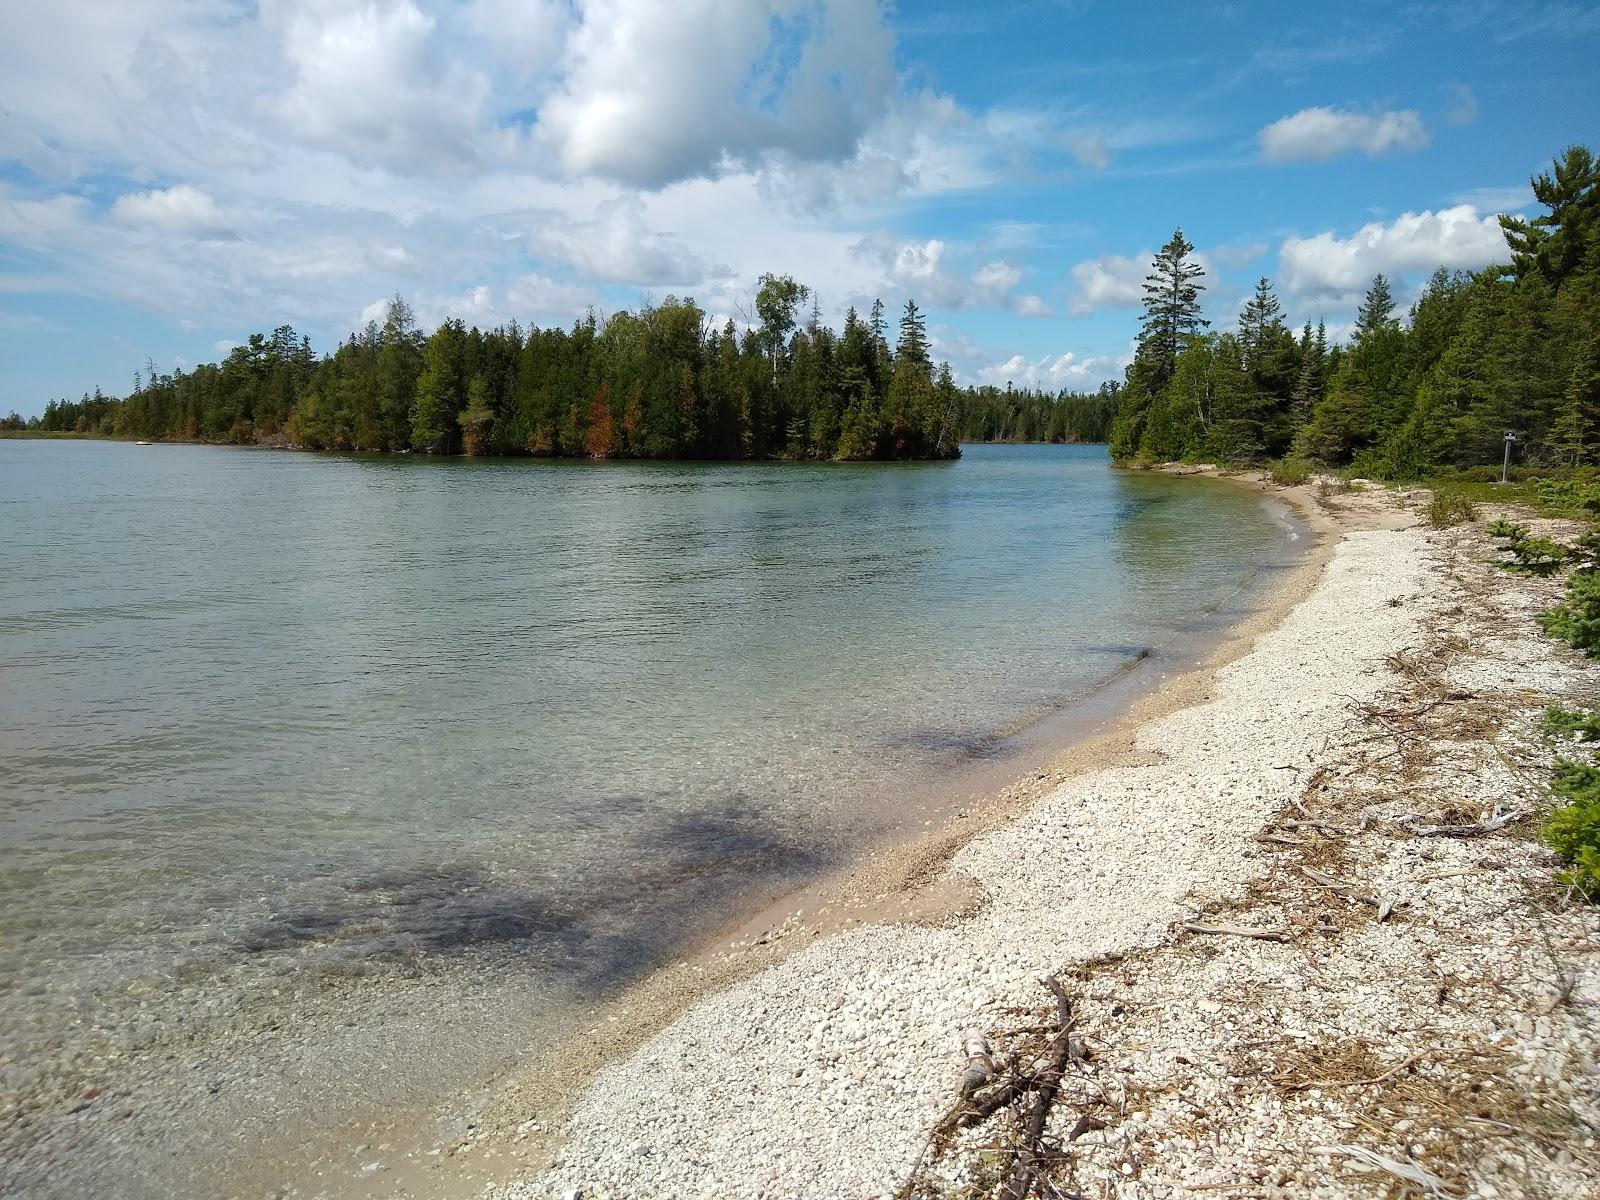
660,382
1514,348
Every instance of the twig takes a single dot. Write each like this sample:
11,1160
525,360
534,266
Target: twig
1265,935
1496,821
1027,1155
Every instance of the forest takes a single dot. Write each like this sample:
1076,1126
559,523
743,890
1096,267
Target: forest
1514,348
661,382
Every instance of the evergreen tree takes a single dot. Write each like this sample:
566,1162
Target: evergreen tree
1171,307
1566,237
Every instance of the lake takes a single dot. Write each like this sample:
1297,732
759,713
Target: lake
448,745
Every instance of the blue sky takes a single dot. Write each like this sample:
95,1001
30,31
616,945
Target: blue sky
175,174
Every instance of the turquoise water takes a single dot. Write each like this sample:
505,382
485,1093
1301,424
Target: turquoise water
282,720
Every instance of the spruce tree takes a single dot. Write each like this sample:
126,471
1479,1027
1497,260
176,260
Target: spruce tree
1261,315
1171,307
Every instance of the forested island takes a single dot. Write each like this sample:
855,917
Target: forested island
1514,349
660,382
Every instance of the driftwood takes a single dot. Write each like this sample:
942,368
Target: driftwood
1430,1183
1246,931
1496,821
980,1061
1346,891
1026,1158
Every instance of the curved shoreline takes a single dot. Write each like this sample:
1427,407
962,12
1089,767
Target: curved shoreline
865,1017
517,1129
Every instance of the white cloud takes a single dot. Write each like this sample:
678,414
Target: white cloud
1497,199
1110,281
175,208
922,270
1238,254
618,246
368,84
654,93
1030,305
997,278
1317,134
1053,372
528,36
1332,267
540,296
29,220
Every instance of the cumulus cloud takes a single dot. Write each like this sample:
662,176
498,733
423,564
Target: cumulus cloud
923,270
368,83
540,296
1052,372
175,208
1110,281
655,93
1317,134
1332,267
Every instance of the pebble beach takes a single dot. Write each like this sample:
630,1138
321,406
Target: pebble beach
823,1074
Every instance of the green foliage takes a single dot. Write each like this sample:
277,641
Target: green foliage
1290,472
1573,829
1447,508
659,382
1531,555
1509,349
1580,724
1568,495
990,414
1171,307
1576,620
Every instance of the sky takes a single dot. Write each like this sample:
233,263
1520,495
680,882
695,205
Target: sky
176,174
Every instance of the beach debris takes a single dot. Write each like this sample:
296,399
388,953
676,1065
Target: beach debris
1028,1156
980,1060
1244,931
1411,1173
1349,891
1495,821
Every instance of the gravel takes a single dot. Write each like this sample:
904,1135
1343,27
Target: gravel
821,1076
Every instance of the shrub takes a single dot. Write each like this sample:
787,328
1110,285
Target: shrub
1290,472
1576,620
1580,723
1573,830
1568,495
1449,508
1536,555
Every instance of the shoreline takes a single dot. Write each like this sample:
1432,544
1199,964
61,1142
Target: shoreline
830,1065
903,883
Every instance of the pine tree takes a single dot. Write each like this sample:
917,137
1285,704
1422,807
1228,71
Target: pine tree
913,341
1377,310
1171,307
1575,435
1567,237
1262,314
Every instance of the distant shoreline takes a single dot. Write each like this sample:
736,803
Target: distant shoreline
40,435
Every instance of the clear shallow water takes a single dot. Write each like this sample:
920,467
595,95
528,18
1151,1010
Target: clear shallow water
270,719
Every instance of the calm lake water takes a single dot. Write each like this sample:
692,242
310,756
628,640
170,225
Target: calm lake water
273,722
